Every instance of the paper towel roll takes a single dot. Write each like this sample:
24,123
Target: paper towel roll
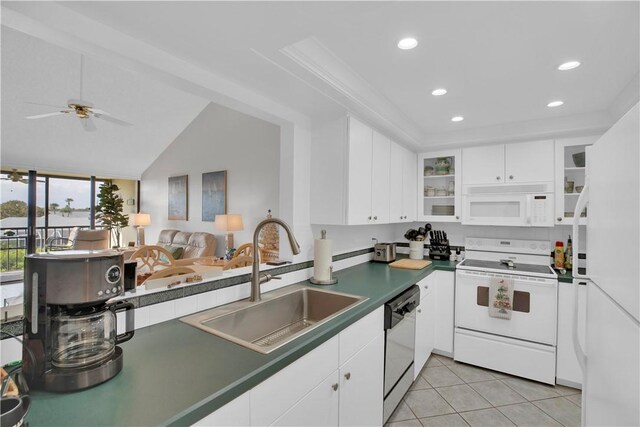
321,259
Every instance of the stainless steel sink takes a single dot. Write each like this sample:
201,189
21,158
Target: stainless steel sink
279,318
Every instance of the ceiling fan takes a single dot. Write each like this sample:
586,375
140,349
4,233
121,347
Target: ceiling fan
16,176
82,109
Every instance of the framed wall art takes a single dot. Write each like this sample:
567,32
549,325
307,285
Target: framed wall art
179,197
214,195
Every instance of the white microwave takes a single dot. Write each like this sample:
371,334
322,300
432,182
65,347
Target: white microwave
516,205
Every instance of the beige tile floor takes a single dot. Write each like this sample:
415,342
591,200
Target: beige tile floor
448,393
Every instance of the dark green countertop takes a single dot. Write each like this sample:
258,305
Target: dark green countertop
566,277
175,374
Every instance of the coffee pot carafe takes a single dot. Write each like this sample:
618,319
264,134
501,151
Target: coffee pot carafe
70,339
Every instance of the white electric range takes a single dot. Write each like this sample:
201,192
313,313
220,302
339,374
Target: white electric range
524,345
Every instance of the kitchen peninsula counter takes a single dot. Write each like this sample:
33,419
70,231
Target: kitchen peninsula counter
175,374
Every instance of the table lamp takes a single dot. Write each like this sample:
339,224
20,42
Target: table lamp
138,221
229,223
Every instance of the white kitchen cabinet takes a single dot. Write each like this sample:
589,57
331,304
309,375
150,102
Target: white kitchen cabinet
320,407
361,386
566,170
425,324
381,147
277,394
439,187
568,370
350,174
235,413
444,312
338,383
356,336
529,161
360,162
508,163
402,188
483,165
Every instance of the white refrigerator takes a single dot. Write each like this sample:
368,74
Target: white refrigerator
610,354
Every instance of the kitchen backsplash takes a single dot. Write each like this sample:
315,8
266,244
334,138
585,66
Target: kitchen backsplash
458,232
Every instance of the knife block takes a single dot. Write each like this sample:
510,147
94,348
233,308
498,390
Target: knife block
440,250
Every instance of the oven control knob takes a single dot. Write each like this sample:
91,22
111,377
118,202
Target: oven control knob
114,289
100,293
108,291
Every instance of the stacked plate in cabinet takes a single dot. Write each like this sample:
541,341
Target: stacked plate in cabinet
442,210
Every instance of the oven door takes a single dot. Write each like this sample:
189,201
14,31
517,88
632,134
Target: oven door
534,315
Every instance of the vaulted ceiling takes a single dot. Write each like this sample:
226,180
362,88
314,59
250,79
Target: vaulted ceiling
497,60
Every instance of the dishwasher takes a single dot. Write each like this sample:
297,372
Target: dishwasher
400,331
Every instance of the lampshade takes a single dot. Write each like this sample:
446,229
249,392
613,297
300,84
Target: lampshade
230,222
140,219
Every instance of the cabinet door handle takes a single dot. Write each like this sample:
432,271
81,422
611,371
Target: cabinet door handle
335,387
375,218
510,176
559,218
419,310
457,217
497,178
347,375
401,217
426,286
369,218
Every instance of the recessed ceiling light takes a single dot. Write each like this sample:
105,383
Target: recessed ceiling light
439,92
408,43
570,65
555,104
457,119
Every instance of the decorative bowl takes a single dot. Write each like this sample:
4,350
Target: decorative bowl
579,188
579,159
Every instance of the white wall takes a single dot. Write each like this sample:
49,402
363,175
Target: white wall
219,138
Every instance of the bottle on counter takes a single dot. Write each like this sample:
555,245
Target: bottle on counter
568,255
559,255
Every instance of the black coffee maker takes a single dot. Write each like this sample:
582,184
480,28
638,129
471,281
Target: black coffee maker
69,328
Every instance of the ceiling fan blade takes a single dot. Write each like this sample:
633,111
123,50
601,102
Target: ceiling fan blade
101,112
46,105
111,119
42,116
88,124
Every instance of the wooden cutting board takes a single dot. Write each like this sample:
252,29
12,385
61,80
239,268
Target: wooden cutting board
411,264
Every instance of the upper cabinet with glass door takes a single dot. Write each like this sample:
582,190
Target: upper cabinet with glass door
570,175
439,186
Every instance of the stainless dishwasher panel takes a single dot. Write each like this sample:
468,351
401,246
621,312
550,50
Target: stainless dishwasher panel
400,350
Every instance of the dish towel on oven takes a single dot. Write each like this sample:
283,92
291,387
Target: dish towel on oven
500,297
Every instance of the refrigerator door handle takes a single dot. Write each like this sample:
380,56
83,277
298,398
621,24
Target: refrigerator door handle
580,205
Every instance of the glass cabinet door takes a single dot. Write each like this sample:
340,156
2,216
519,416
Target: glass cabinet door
439,186
571,160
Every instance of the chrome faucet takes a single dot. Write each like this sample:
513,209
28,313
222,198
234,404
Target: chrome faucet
256,278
